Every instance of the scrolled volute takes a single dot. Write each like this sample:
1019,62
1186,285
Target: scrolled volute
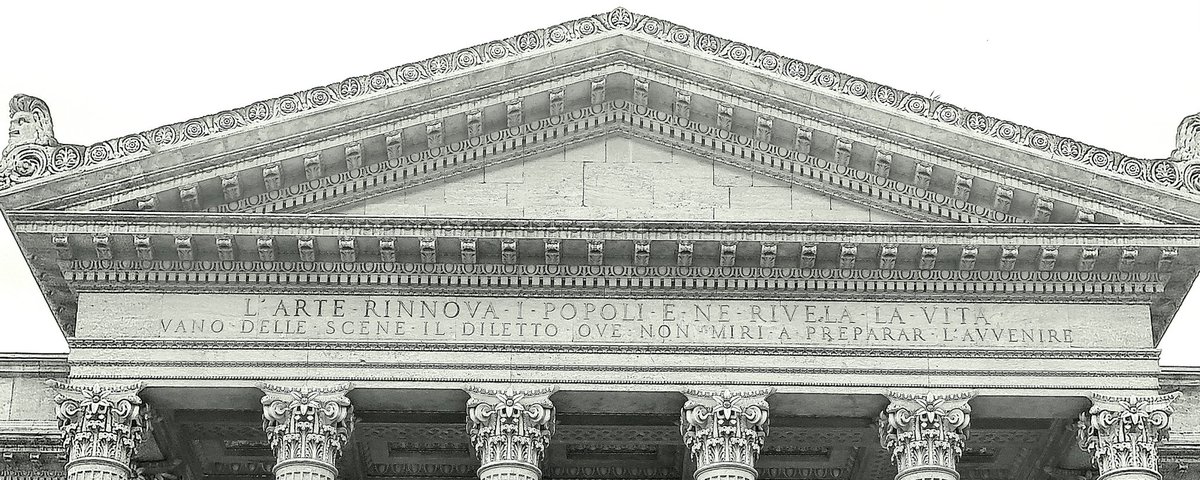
104,423
922,431
1122,433
510,425
725,427
307,424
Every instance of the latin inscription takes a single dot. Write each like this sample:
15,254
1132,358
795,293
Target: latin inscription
532,320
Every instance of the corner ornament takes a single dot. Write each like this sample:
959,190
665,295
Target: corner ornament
102,427
725,430
925,433
32,151
1187,150
307,428
1122,434
510,430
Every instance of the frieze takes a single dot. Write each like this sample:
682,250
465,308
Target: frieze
608,320
423,470
1181,171
605,472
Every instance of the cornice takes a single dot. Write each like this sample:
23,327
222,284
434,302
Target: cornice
1178,173
49,222
614,349
38,365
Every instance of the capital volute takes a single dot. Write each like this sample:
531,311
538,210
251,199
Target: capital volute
100,423
923,431
307,424
510,425
1122,433
725,427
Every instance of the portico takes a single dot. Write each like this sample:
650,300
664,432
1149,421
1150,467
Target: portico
611,248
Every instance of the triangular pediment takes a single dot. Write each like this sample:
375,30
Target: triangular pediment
922,158
617,177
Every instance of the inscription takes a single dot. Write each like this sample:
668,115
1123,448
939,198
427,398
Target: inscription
531,320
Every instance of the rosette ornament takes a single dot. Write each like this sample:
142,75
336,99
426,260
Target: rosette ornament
510,430
1122,434
725,431
102,427
925,433
307,428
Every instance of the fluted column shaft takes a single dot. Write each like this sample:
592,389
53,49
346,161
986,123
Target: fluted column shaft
510,430
1122,434
307,428
925,434
725,431
102,427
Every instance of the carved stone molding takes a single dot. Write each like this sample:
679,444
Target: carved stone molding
725,431
925,433
510,430
1122,434
1171,172
307,428
102,427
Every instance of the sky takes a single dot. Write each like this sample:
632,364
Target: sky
1114,74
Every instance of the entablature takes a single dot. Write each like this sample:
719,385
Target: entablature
79,251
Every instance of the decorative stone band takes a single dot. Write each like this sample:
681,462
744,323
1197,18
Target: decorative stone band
27,160
102,427
510,430
925,433
1122,434
307,428
724,431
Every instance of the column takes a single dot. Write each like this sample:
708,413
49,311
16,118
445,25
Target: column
307,428
925,433
724,431
1122,434
510,430
102,427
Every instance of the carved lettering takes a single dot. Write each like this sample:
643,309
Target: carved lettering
598,320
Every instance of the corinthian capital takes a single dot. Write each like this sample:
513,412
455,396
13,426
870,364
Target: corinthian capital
307,425
100,424
1122,433
510,426
925,433
725,429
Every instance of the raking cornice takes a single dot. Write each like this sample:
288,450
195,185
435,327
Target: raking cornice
26,164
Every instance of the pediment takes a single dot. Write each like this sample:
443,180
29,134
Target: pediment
928,159
616,177
446,139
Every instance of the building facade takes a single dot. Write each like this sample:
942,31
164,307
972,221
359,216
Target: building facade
613,248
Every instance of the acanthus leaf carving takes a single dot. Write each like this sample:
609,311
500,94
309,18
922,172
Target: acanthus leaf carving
307,424
510,426
925,433
1122,433
100,423
725,428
